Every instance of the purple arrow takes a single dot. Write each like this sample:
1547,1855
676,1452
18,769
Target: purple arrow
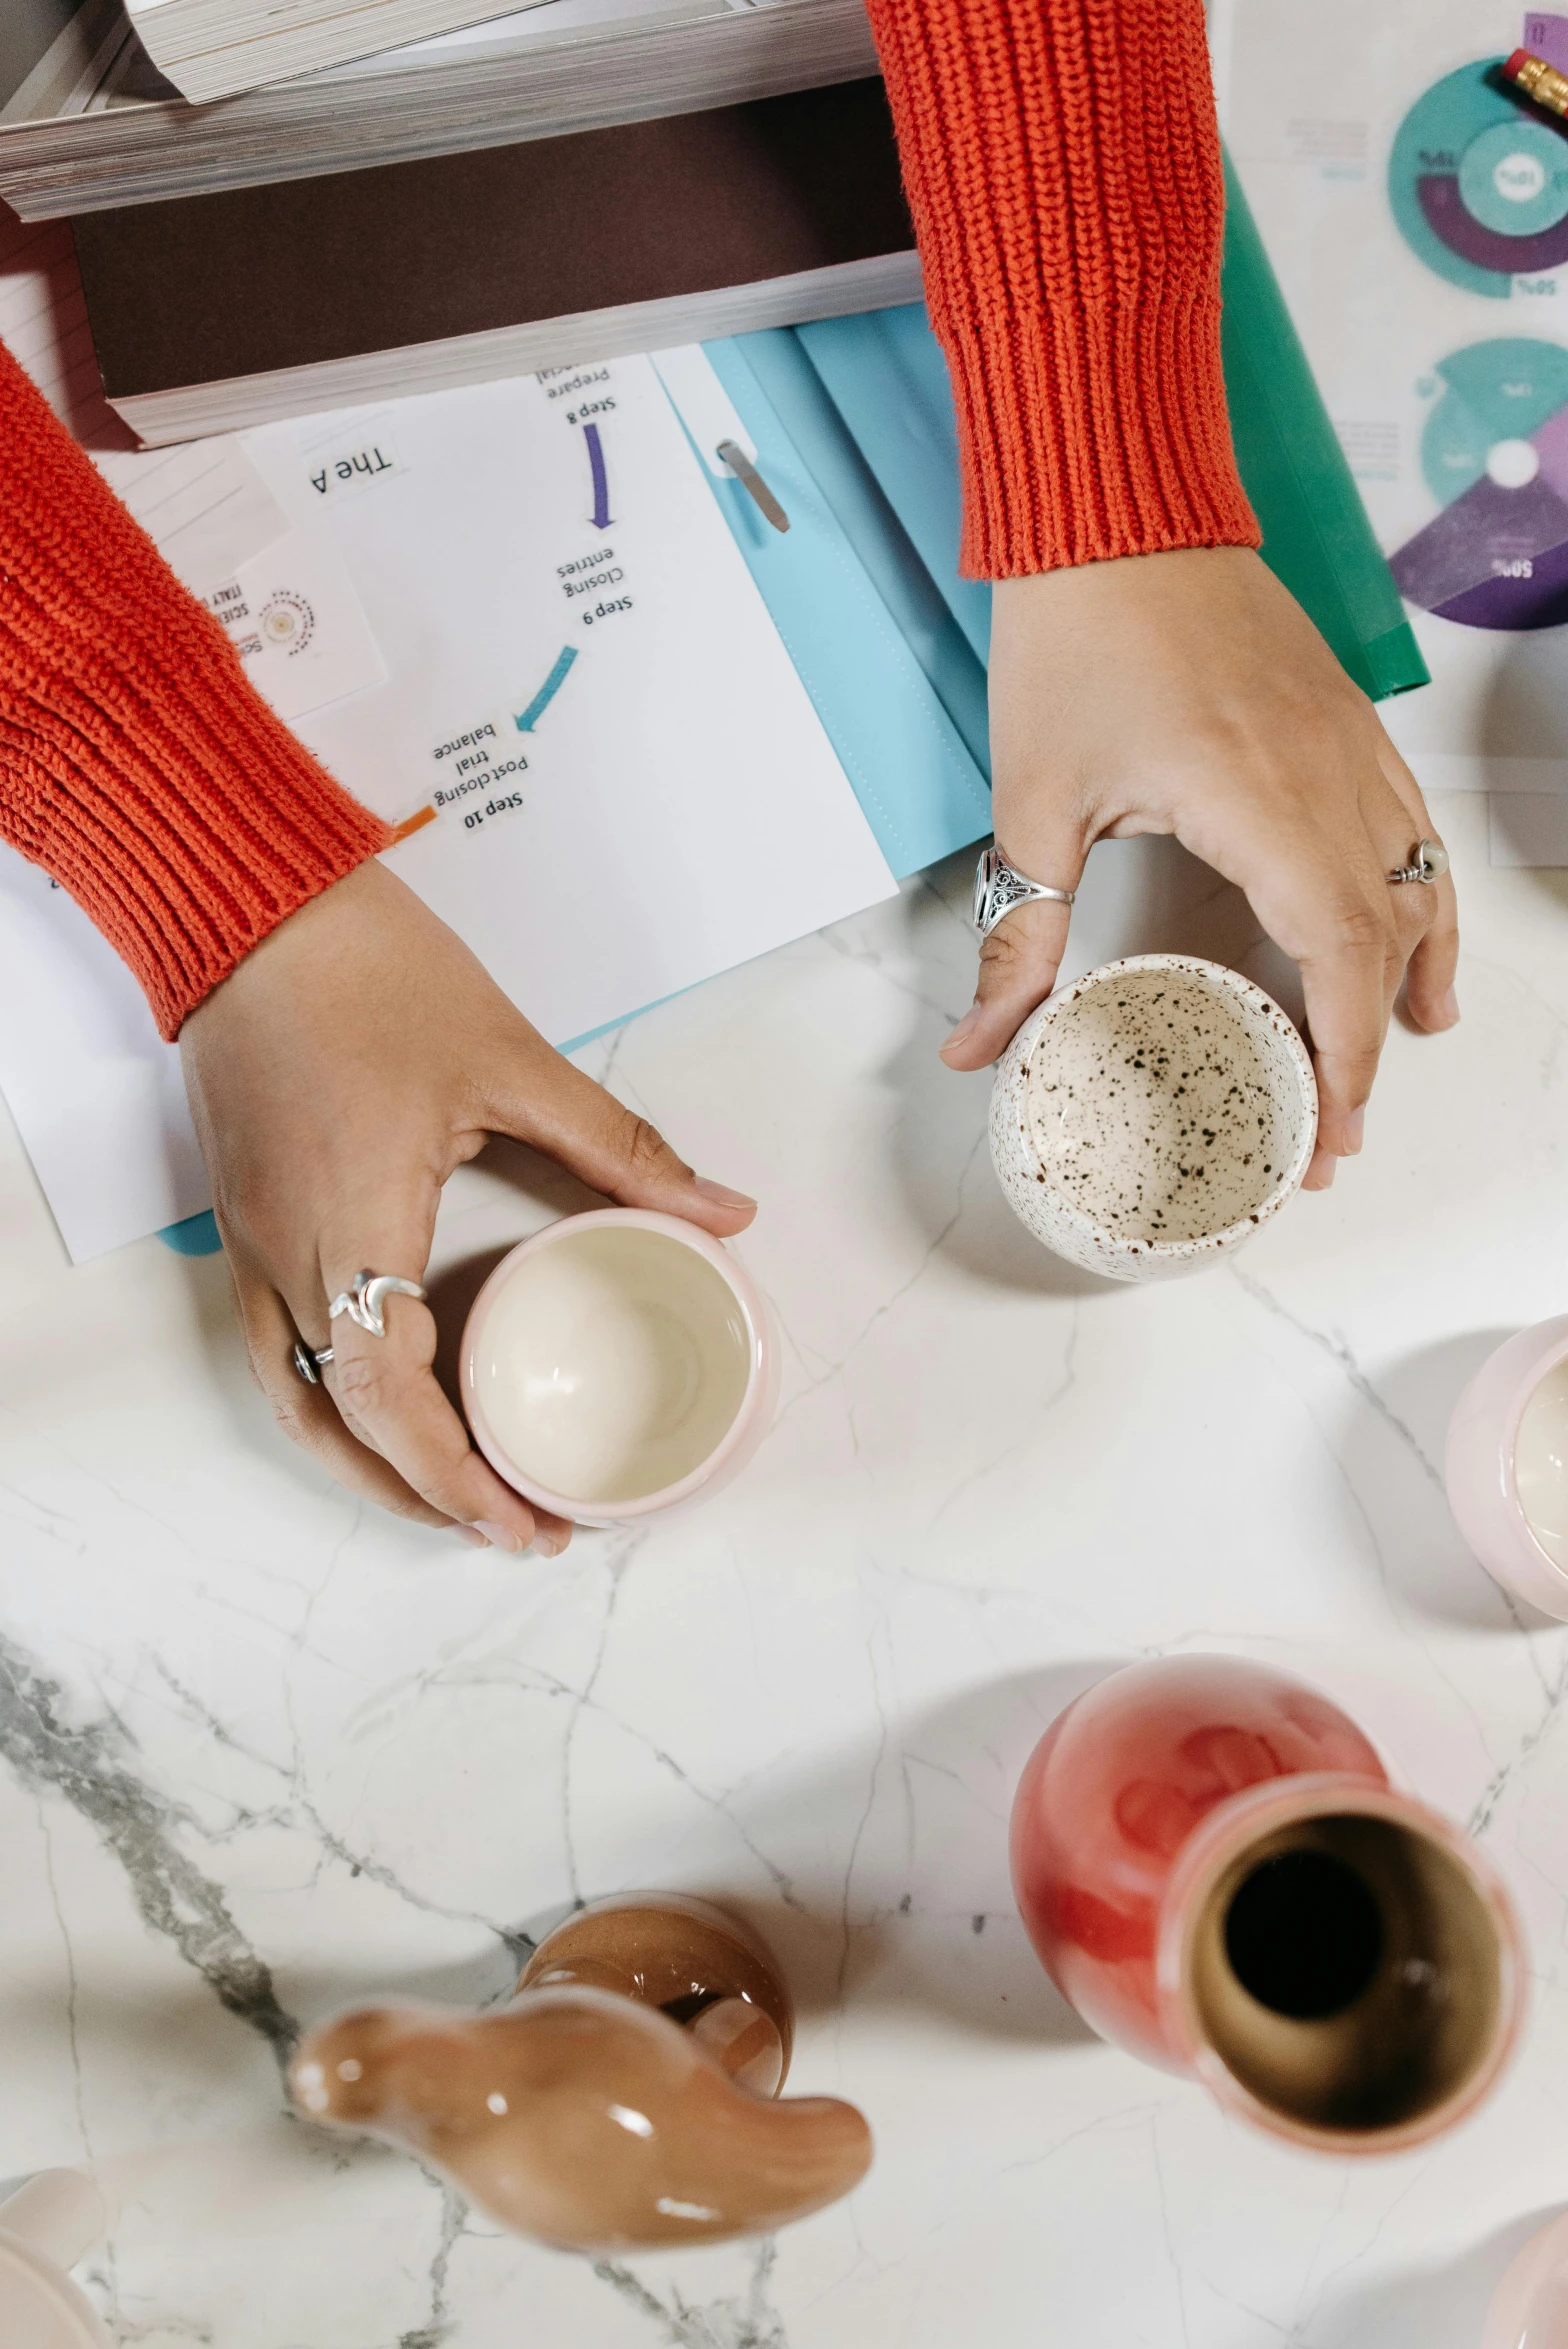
601,480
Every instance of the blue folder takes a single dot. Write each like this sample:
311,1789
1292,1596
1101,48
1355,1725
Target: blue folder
896,683
852,420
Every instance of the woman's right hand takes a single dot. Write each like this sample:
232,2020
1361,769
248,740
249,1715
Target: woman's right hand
1188,692
337,1077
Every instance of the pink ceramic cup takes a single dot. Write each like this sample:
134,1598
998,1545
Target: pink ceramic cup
618,1365
1482,1463
1530,2308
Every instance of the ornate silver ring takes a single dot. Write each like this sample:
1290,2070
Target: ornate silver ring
1428,862
364,1301
1000,886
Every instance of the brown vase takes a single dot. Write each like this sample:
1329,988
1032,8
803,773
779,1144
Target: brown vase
627,2096
1213,1867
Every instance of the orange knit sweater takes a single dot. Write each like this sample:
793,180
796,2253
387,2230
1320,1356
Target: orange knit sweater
1063,168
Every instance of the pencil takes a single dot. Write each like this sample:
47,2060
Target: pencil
1538,80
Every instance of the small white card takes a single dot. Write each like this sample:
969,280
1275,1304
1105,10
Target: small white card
295,616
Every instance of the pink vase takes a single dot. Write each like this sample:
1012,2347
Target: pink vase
1214,1869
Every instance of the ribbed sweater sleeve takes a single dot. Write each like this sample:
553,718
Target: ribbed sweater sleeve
138,765
1062,160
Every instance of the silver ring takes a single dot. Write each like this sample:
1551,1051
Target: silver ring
1428,862
1000,886
364,1301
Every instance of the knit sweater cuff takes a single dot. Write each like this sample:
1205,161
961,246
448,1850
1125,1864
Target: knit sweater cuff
187,835
138,765
1093,430
1063,166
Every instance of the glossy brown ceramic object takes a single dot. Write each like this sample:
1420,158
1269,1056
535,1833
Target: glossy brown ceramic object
1213,1866
626,2097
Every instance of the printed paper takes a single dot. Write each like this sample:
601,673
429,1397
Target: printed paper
529,640
1417,214
618,781
203,504
97,1096
298,625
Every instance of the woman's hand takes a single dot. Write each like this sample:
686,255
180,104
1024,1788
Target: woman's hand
1189,693
354,1058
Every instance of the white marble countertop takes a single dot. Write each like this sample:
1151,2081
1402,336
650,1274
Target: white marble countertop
266,1751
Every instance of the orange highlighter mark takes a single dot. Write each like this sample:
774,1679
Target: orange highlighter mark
411,824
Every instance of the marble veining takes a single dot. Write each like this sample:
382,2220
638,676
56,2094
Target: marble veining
266,1752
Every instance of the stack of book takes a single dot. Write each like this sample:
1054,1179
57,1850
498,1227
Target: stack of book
276,210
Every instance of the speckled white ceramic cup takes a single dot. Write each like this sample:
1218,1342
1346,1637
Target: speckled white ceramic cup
619,1364
1153,1116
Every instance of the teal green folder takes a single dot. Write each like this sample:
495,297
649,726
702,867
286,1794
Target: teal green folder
853,423
1316,536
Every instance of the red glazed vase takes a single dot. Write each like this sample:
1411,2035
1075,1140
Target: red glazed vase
1215,1871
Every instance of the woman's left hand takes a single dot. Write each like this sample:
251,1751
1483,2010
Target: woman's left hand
337,1077
1189,693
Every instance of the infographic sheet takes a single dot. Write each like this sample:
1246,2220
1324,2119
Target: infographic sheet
512,620
612,781
1415,206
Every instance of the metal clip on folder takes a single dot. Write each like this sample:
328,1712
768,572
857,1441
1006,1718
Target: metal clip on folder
730,452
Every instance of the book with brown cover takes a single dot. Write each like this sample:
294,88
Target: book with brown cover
222,311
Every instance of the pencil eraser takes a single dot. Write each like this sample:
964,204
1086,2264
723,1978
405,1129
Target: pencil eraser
1512,66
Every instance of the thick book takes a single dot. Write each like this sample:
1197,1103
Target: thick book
228,311
86,121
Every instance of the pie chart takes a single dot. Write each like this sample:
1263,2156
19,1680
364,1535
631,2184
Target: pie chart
1495,456
1478,181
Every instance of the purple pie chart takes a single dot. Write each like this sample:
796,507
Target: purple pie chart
1496,447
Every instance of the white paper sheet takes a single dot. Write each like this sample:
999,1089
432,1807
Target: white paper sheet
1528,828
1419,226
97,1097
631,789
548,21
43,323
624,786
203,504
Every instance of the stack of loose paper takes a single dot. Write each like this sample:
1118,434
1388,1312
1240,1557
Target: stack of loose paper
1416,211
87,120
211,48
513,621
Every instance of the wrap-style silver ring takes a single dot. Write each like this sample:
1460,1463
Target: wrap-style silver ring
364,1301
1428,862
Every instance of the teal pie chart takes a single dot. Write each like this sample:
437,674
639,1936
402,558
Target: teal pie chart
1494,455
1478,182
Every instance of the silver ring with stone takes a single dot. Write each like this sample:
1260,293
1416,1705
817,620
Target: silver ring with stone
1428,862
1000,886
